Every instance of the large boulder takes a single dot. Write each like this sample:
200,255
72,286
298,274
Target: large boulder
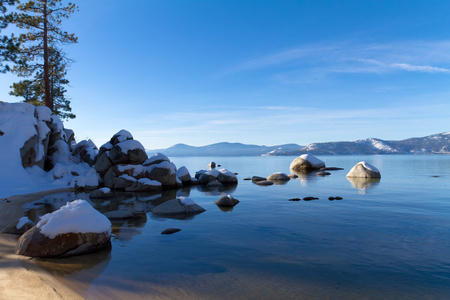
128,152
103,163
181,206
76,228
364,170
111,177
164,172
207,177
226,177
306,162
86,151
184,175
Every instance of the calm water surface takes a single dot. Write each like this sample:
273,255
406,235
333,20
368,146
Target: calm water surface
388,239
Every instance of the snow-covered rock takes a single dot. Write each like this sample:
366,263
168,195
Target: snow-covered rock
121,136
156,159
226,177
164,172
145,185
183,174
101,193
74,229
86,151
128,152
181,206
364,170
306,162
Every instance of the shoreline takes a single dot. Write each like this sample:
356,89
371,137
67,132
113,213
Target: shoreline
20,277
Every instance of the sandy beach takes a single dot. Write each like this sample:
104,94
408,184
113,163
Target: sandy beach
20,277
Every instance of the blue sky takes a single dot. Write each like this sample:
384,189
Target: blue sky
258,72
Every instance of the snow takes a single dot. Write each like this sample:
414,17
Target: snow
163,165
22,221
75,217
156,157
123,135
369,166
137,169
43,113
130,145
146,181
186,201
128,177
227,173
314,161
105,190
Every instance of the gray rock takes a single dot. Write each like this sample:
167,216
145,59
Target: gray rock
20,227
33,243
134,171
86,151
214,183
228,201
180,206
323,173
103,163
264,182
183,175
208,176
278,177
258,178
226,177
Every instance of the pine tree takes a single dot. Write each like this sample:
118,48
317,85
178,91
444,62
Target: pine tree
32,51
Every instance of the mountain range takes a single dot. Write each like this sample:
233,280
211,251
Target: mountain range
432,144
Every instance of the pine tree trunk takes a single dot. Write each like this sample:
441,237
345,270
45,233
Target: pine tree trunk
48,100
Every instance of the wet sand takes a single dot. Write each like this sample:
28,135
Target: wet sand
20,277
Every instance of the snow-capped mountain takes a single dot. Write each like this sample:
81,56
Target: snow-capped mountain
225,149
433,144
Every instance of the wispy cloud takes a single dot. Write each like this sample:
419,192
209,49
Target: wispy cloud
350,57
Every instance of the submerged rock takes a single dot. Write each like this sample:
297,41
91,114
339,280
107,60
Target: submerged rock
279,176
170,230
264,182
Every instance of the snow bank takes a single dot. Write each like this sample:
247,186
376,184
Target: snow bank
75,217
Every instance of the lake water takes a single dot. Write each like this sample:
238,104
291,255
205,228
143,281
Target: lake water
384,240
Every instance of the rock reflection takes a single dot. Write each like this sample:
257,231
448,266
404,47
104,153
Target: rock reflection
216,191
77,270
363,184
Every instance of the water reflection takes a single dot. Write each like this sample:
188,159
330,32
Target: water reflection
136,205
77,270
363,184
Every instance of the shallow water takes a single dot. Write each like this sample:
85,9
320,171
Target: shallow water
387,239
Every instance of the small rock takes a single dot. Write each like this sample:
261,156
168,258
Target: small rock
338,198
278,177
295,199
264,182
310,198
323,173
293,176
331,198
170,230
331,169
214,183
212,165
247,178
227,201
258,178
